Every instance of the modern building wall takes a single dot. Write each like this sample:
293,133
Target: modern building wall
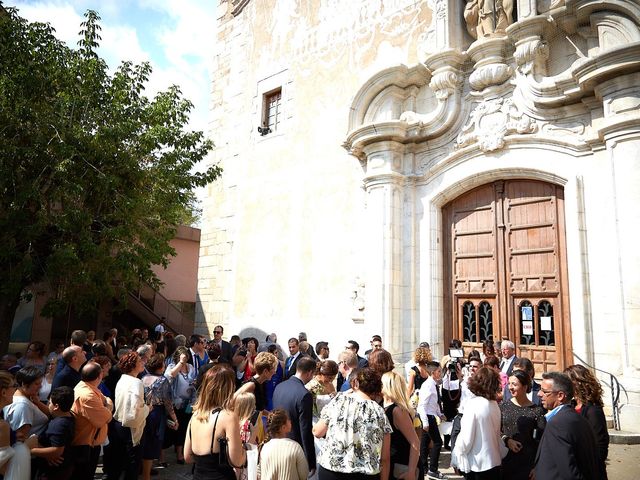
180,278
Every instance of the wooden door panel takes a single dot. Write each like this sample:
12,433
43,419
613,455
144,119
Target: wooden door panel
505,247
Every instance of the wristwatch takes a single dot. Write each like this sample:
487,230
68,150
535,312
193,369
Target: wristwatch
505,439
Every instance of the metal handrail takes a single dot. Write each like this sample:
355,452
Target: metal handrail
616,387
174,319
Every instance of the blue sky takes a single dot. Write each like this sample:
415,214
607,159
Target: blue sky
175,36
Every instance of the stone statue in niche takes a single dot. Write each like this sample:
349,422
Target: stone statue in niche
486,18
357,297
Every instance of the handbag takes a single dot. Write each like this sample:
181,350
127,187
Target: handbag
223,456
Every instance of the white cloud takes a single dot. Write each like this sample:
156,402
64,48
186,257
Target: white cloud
180,56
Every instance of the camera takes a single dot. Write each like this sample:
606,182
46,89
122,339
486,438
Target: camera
457,358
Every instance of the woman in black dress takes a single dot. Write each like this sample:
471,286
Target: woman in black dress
588,403
214,420
405,445
522,426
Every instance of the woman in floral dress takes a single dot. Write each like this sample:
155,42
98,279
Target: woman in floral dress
357,432
157,394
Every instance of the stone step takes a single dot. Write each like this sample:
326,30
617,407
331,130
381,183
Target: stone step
620,437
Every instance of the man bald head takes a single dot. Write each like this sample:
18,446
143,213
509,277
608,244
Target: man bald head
91,373
74,356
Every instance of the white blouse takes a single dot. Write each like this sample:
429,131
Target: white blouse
479,447
130,409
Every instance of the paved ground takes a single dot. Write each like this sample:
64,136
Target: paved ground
623,465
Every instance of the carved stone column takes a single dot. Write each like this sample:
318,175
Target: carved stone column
531,50
384,184
620,128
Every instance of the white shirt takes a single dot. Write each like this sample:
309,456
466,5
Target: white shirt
506,362
479,446
465,395
428,403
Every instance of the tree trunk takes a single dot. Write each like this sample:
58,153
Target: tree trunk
8,307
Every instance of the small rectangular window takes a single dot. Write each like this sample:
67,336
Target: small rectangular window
271,111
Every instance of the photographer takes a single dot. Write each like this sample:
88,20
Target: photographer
474,364
452,365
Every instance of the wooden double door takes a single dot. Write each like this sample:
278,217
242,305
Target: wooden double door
505,270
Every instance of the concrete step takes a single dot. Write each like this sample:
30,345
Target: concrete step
620,437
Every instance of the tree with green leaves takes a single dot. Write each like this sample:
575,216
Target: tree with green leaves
94,176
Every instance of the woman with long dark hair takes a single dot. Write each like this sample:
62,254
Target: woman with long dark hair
587,397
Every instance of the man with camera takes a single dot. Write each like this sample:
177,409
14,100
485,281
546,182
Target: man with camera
465,394
451,366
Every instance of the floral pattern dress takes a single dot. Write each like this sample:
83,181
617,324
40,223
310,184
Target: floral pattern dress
356,429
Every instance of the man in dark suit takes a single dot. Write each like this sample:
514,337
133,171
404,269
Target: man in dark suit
353,346
292,396
225,347
508,356
567,450
294,356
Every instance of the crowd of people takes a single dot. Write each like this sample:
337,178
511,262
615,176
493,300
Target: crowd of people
243,409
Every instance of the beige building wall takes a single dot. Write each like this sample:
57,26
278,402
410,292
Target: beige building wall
282,233
301,235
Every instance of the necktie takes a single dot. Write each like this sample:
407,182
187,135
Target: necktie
289,362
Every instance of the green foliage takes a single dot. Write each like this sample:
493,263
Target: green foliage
94,176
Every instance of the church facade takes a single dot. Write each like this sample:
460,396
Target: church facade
429,170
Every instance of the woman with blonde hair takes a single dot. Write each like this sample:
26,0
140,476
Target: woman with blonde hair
405,445
282,458
587,397
265,365
418,373
244,404
213,437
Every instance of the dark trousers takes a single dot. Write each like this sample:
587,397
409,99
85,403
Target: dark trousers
455,429
493,474
434,454
324,474
85,461
124,456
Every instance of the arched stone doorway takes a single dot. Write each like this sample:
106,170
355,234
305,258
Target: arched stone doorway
505,269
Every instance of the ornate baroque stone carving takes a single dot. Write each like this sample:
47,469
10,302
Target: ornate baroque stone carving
493,120
531,55
445,82
490,65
